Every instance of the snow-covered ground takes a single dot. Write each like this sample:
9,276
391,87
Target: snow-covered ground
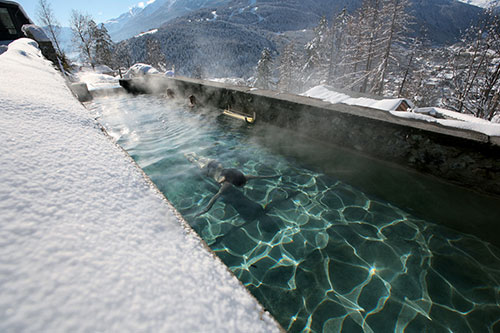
326,94
482,3
432,115
87,244
149,32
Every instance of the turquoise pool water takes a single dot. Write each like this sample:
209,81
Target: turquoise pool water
317,252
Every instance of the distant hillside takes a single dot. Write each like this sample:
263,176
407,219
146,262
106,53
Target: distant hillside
219,47
228,39
445,20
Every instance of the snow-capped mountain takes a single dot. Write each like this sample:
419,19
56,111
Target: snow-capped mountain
117,24
153,15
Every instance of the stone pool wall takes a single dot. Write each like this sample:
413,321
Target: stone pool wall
466,158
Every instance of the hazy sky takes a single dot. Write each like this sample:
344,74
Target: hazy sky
101,10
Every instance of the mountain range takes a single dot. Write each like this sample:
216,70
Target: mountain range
226,37
450,16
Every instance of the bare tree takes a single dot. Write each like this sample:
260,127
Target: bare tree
288,68
338,47
84,34
372,9
395,12
121,55
316,58
49,22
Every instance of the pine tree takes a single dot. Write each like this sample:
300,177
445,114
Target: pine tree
264,70
103,46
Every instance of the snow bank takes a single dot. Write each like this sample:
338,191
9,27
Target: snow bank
139,70
86,243
430,114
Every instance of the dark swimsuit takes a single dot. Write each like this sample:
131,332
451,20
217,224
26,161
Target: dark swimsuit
234,176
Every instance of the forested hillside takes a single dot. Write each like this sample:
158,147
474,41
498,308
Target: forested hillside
433,52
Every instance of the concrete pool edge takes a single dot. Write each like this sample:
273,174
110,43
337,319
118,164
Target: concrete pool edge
463,157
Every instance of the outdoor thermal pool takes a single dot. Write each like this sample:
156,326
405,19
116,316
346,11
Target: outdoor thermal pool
316,251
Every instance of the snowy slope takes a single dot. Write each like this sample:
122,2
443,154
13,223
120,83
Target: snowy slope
481,3
87,244
152,15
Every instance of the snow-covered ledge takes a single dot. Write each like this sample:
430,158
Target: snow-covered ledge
87,243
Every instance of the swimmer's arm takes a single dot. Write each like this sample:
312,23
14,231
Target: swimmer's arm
224,187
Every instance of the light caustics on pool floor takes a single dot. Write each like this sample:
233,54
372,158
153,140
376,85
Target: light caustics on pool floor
319,254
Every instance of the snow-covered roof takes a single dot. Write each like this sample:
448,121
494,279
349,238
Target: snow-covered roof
86,242
452,119
37,32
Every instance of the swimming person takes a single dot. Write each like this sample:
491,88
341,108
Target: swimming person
192,101
225,177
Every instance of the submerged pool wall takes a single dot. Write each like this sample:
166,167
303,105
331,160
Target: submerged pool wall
463,157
